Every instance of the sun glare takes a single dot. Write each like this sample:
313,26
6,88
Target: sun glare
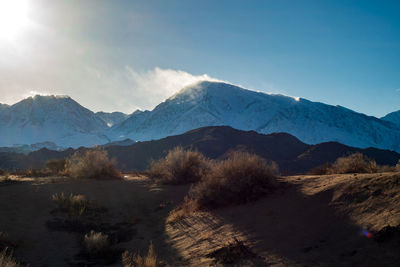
13,17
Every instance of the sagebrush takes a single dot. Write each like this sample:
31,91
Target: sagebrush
180,167
93,163
353,163
241,178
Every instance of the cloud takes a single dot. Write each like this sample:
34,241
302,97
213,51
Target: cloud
103,89
159,84
127,89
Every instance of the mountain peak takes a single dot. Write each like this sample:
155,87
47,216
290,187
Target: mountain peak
226,90
58,119
393,117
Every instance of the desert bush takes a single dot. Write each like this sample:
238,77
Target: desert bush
321,170
7,259
241,178
354,163
97,243
386,168
135,260
56,166
93,163
180,167
75,205
398,166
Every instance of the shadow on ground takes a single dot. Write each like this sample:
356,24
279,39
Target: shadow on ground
134,215
287,228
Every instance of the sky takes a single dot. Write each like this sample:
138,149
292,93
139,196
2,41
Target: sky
126,55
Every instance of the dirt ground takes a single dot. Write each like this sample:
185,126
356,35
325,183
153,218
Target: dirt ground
335,220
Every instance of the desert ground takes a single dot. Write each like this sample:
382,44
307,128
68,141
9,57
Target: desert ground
329,220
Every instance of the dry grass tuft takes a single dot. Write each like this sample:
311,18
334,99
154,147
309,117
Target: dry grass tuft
93,164
7,259
135,260
243,177
97,243
180,167
75,205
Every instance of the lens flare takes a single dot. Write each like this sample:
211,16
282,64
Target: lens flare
367,234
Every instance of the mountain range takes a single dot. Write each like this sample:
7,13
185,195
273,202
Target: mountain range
216,142
61,120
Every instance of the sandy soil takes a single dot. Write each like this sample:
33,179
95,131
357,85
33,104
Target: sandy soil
310,221
313,221
27,215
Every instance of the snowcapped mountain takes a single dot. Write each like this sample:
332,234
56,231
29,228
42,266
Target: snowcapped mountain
111,118
62,121
393,117
57,119
215,104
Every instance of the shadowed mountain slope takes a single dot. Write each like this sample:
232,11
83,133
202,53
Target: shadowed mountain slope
292,155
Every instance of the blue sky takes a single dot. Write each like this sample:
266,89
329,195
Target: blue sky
337,52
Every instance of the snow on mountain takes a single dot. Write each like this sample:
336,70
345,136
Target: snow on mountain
393,117
214,103
112,118
57,119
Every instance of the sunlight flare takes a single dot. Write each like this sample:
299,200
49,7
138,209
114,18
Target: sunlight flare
13,17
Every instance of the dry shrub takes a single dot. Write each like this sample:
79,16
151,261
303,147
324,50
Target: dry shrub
386,168
75,205
7,259
180,167
241,178
97,243
135,260
93,164
398,166
56,166
354,163
321,170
